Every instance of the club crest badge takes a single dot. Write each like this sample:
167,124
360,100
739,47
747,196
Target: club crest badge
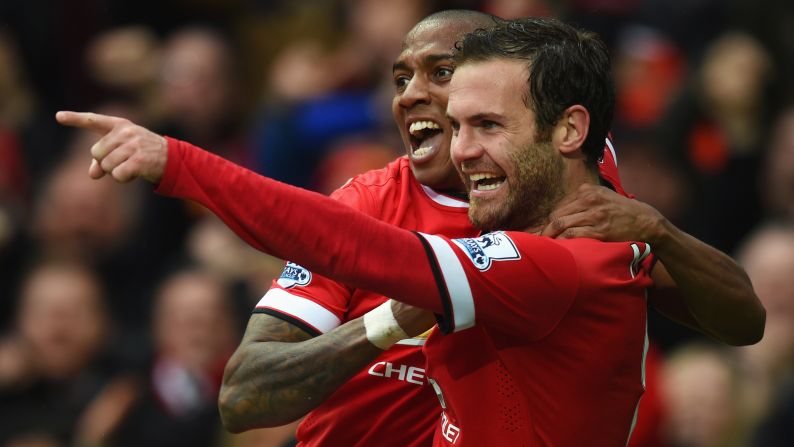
487,248
294,275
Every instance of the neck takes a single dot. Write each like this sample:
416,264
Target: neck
577,172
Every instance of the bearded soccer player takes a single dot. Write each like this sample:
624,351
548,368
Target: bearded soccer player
250,230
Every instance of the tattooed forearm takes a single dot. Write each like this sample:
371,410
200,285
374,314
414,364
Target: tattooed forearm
279,373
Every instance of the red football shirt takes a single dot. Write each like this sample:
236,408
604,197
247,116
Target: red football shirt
528,296
389,402
545,340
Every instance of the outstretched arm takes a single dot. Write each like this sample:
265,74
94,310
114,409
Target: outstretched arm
281,220
696,284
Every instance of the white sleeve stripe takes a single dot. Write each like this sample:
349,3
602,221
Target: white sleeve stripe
300,308
612,150
455,279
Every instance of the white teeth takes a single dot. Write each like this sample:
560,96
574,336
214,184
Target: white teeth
481,176
422,151
488,187
418,126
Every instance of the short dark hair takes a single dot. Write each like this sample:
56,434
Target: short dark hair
567,66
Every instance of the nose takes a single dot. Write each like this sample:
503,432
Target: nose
416,92
464,145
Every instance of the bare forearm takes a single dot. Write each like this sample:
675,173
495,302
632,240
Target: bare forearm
713,287
272,383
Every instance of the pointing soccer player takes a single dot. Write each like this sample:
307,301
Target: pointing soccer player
127,161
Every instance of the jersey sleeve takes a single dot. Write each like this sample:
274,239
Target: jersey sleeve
313,302
517,282
313,230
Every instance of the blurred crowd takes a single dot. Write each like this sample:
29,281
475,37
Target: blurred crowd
119,308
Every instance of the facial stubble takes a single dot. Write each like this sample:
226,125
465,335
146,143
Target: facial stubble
535,188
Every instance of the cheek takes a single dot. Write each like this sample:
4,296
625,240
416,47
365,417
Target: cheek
454,150
396,111
399,121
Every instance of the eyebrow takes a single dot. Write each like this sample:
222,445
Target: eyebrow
477,117
484,116
427,60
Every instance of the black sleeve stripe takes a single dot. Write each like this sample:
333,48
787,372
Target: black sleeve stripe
446,322
289,319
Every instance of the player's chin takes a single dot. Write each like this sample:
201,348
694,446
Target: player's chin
486,215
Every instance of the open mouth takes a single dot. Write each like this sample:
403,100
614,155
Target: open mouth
486,181
425,137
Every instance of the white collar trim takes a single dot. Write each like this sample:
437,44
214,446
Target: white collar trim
444,200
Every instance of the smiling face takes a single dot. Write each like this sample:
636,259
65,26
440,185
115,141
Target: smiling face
513,178
421,78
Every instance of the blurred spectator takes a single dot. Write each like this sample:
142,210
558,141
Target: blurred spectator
772,22
778,170
53,365
93,221
79,217
699,390
325,97
648,71
194,332
126,233
18,107
646,171
125,62
214,247
776,429
715,132
768,366
200,89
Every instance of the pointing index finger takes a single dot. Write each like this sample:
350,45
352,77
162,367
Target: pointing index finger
101,124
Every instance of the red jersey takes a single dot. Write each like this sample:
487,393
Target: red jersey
546,337
388,402
550,333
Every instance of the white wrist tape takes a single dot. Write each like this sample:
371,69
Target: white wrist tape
382,329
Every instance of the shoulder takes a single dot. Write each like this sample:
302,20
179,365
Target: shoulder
368,190
395,172
533,253
619,260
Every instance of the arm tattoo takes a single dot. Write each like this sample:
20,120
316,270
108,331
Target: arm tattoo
279,373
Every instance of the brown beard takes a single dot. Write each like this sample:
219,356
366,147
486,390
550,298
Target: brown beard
534,190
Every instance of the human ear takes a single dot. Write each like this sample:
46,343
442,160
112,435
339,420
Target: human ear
571,130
